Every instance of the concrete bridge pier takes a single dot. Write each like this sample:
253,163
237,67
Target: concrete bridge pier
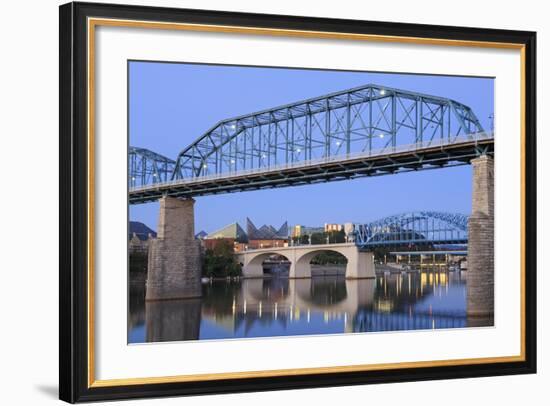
360,265
480,276
174,268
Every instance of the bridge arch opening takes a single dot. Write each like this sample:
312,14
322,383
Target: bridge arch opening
322,263
322,292
329,264
267,290
268,263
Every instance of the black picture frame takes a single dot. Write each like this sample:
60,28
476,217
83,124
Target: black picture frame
74,385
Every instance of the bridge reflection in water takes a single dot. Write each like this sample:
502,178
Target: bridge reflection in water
320,305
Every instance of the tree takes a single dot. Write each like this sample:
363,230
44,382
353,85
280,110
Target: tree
318,238
329,258
220,261
336,237
301,239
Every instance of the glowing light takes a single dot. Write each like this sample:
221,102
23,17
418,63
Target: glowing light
338,143
232,161
381,135
382,92
298,150
205,166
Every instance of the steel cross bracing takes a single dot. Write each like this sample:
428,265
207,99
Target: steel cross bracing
147,167
414,228
366,131
356,120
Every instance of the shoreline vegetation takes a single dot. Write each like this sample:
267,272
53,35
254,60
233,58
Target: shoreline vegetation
220,262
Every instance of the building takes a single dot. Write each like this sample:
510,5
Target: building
349,229
232,233
299,230
140,230
201,235
266,236
332,227
296,231
139,236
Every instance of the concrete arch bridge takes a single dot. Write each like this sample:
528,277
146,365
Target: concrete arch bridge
360,264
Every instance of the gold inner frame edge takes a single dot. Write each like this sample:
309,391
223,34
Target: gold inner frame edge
92,23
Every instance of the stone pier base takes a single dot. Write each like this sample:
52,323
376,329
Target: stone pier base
174,267
173,320
481,234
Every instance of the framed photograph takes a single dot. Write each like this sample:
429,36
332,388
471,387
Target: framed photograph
255,202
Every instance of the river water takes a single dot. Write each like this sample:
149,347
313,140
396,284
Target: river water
278,306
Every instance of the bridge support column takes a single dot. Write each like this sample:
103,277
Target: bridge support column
173,320
480,277
174,268
360,265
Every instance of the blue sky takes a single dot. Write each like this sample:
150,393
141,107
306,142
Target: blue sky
172,104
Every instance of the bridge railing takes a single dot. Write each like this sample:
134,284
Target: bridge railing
319,161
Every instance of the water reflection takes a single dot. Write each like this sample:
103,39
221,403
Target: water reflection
320,305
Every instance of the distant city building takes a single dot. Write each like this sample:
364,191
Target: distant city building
201,235
266,232
349,229
332,227
296,231
139,236
140,230
266,236
232,233
233,230
299,230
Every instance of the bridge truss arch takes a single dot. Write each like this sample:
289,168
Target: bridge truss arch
422,227
146,167
366,119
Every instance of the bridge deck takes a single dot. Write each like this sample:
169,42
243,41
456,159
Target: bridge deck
304,247
434,154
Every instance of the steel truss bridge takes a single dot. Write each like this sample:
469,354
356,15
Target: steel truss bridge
147,167
365,131
414,228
